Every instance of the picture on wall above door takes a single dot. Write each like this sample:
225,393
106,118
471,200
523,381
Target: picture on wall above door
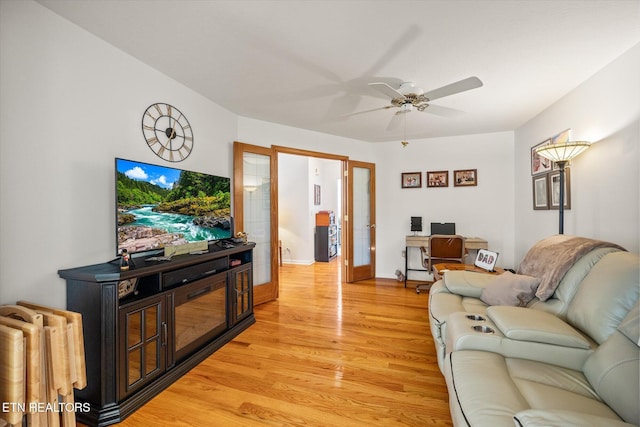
316,194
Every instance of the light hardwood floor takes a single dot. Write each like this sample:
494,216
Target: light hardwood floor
324,354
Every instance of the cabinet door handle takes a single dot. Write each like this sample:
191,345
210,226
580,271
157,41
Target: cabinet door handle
199,292
164,334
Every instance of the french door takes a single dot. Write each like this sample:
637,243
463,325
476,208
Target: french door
361,221
255,183
255,201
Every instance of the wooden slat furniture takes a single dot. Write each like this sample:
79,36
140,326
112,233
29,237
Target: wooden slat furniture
53,363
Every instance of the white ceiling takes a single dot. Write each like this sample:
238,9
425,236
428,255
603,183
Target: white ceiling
307,63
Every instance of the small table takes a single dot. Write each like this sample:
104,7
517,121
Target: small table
439,269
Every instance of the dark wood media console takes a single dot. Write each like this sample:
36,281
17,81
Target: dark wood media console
175,315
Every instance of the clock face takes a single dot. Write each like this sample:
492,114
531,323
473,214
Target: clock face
167,132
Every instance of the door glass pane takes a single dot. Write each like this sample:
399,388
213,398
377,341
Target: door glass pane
361,218
151,356
134,331
151,322
257,212
134,369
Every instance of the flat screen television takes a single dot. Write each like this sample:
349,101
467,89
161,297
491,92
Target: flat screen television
157,206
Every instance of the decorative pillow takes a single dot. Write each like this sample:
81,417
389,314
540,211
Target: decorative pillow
510,289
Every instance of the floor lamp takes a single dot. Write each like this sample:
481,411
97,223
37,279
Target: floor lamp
561,154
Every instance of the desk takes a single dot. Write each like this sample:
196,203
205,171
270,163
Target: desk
473,243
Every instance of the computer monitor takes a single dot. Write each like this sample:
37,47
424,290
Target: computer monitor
448,228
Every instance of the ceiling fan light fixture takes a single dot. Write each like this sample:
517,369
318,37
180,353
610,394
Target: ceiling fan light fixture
405,108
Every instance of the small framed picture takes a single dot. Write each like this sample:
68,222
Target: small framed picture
564,136
554,189
411,179
316,194
541,192
486,259
438,179
538,163
465,178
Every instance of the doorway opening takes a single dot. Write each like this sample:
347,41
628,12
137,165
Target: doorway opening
310,190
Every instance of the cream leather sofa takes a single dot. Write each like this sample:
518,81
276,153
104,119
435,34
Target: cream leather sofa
570,360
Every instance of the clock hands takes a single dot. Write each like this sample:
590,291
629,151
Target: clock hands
162,124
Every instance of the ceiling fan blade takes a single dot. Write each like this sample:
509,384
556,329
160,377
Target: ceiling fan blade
453,88
369,111
387,90
395,122
341,106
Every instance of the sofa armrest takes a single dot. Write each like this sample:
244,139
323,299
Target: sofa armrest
466,283
554,417
464,332
524,324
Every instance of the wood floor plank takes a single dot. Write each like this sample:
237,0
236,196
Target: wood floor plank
325,354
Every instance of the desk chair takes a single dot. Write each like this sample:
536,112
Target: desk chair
442,249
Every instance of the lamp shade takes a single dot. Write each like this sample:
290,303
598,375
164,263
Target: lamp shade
562,152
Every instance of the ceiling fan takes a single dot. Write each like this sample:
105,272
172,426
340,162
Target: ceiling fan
408,96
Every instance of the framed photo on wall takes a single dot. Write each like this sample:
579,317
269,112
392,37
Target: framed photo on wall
554,189
564,136
316,194
541,192
438,179
411,179
538,163
465,178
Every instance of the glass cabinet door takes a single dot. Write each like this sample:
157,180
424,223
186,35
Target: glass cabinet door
143,335
242,293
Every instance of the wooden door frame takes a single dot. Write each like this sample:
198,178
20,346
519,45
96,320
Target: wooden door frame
261,294
273,151
352,273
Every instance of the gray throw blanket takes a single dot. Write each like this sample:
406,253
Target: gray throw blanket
551,258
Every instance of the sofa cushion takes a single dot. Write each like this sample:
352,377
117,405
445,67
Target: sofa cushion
488,389
570,283
557,417
551,258
467,283
524,324
606,295
610,368
510,289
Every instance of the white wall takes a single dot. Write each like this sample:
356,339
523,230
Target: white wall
485,210
605,182
295,220
70,104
